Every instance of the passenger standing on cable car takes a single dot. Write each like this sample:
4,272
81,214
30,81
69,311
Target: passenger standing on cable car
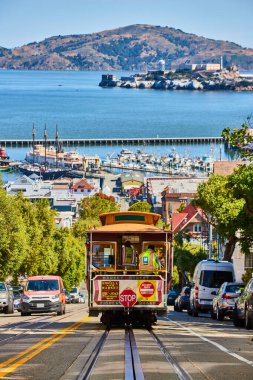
128,256
149,261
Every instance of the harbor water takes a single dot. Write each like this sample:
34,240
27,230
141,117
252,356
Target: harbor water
82,109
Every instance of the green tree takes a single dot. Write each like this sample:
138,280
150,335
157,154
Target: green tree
13,237
223,210
140,206
239,138
71,252
91,207
186,257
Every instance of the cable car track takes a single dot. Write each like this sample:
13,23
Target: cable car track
132,364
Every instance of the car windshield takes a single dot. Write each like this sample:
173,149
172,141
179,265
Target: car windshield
42,285
186,291
214,279
74,290
2,286
233,288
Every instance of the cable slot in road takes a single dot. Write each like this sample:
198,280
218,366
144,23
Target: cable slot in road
133,368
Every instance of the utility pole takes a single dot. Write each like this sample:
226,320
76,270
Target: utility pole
210,241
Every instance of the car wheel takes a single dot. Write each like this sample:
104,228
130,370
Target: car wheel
60,312
219,314
248,320
194,312
9,309
237,322
24,314
213,314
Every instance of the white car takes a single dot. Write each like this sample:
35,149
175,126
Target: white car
74,295
207,279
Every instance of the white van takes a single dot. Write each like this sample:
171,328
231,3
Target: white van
208,276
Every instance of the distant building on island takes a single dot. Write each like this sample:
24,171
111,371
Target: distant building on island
199,66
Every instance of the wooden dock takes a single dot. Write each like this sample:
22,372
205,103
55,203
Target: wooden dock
136,141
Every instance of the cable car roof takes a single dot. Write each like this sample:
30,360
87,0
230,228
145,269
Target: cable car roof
129,217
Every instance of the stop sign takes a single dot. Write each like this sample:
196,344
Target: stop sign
127,297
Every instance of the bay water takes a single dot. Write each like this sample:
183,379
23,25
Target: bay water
82,109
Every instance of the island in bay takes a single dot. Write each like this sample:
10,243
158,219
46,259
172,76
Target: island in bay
187,76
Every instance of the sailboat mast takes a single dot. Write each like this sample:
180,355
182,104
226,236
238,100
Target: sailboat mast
45,141
57,145
33,136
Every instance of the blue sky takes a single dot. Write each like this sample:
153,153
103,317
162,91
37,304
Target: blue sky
24,21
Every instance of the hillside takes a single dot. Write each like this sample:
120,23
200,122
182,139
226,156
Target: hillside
130,47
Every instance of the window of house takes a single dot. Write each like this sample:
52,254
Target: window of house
249,260
197,227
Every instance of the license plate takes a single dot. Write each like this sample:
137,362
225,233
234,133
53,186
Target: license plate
39,305
206,302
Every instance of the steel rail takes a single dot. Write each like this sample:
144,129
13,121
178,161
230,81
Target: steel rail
133,368
182,374
92,359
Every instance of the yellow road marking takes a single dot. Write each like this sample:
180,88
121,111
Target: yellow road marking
37,348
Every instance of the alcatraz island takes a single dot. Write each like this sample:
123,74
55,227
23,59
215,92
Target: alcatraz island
187,76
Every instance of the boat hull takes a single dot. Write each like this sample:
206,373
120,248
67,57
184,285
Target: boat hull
43,174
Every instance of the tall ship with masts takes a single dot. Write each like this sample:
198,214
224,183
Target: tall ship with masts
50,162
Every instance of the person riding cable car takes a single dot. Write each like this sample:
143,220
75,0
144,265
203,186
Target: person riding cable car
128,256
149,261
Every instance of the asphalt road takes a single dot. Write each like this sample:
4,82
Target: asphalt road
53,347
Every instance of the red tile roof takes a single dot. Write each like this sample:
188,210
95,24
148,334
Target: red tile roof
83,184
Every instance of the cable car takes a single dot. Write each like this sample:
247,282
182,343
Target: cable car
118,285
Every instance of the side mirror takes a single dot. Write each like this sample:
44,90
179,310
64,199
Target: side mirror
214,293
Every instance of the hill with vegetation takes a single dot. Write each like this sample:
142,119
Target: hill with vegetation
127,48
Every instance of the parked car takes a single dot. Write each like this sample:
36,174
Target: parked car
224,300
74,295
183,300
172,295
17,292
6,298
81,298
43,294
208,276
67,296
243,311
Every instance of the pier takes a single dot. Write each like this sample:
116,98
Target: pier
136,141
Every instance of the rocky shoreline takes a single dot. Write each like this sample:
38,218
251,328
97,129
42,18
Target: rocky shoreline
161,80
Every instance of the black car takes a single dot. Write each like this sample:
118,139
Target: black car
243,311
182,302
172,295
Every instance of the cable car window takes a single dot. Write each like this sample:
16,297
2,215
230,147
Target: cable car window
103,255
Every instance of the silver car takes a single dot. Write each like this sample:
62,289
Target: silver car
224,300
